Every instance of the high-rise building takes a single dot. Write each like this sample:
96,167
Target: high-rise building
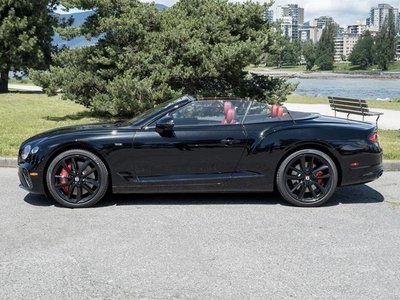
339,46
398,21
322,20
310,31
379,14
356,29
398,49
292,18
349,41
269,16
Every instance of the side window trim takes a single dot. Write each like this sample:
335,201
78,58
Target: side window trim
247,112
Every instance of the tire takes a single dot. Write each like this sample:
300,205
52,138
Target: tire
77,178
307,178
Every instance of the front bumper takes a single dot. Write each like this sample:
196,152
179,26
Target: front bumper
31,180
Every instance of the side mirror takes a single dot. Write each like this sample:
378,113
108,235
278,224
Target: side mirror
165,123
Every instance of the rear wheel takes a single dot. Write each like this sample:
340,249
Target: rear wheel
77,178
307,178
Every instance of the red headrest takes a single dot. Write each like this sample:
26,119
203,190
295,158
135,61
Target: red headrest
227,106
277,111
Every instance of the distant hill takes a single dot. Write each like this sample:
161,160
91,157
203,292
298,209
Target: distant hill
79,19
161,6
80,41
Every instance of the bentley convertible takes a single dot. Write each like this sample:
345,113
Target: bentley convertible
203,145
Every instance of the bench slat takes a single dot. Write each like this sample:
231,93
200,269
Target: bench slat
348,103
362,109
348,99
352,106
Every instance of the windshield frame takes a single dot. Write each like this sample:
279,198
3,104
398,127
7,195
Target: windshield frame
148,116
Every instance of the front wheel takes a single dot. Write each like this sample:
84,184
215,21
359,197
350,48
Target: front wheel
307,178
77,178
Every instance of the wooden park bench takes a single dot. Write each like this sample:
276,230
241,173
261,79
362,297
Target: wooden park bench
352,106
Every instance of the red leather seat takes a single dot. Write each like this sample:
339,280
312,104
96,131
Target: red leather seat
230,117
277,111
227,106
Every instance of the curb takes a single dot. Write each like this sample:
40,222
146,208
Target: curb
388,165
8,162
391,165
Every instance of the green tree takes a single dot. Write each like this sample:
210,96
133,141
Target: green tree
282,51
385,43
145,56
292,55
26,31
363,51
326,47
275,55
309,50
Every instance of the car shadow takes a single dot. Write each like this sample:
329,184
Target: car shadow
22,92
361,194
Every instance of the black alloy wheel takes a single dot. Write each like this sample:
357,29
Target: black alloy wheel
307,178
77,178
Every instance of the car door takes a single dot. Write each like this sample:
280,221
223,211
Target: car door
201,148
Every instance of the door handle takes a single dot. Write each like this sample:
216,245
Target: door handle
228,141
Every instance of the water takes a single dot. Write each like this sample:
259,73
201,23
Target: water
374,89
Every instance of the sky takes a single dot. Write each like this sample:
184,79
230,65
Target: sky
345,12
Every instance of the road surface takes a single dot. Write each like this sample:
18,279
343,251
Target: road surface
250,246
25,87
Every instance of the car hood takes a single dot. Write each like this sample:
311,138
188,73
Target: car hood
76,129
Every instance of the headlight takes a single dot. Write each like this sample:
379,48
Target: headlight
26,151
35,150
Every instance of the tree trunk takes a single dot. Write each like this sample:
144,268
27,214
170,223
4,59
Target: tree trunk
4,81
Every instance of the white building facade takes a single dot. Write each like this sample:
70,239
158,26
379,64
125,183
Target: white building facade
379,14
291,17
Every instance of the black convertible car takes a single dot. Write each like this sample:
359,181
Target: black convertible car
203,145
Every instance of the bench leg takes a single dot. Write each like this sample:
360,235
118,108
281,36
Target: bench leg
377,119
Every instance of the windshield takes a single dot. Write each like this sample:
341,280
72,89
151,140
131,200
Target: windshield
137,119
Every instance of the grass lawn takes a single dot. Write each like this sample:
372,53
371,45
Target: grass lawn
390,142
395,67
391,104
25,114
272,68
346,67
338,67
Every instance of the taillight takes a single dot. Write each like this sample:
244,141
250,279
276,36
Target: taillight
373,137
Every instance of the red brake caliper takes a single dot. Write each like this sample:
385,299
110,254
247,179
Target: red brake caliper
320,174
65,173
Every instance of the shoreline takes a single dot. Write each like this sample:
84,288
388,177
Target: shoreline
328,74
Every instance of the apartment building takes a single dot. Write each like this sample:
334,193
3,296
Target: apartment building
379,14
291,17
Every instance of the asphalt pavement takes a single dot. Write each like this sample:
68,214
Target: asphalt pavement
250,246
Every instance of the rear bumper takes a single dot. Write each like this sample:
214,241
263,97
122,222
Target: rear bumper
32,184
370,169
